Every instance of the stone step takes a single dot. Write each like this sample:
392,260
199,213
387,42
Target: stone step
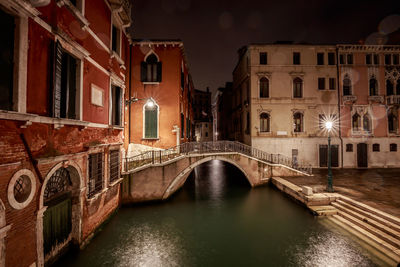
380,214
377,243
378,222
345,213
327,210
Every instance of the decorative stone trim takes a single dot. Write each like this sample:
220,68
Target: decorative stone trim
10,192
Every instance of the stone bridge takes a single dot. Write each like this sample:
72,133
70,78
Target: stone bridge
156,175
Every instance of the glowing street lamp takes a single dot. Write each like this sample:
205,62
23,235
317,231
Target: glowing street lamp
328,127
150,103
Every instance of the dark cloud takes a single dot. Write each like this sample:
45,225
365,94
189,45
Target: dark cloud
213,31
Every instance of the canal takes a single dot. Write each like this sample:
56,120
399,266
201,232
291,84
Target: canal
217,219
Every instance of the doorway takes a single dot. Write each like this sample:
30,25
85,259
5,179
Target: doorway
362,155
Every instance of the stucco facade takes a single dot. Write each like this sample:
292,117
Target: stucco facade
61,122
283,93
166,82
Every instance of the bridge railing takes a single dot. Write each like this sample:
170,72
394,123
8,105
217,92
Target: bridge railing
161,156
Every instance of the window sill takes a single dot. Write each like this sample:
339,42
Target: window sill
155,83
75,11
116,182
116,127
118,58
150,139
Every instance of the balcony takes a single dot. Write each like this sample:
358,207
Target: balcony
349,99
393,100
123,9
375,99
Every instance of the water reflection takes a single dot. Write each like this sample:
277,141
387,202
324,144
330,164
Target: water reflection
216,219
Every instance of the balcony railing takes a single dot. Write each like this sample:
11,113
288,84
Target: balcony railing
349,98
393,100
376,99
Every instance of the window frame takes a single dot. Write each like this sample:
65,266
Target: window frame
96,190
259,87
111,179
268,122
296,58
295,130
331,58
154,70
111,104
332,83
321,83
263,58
349,147
376,147
320,58
392,147
294,84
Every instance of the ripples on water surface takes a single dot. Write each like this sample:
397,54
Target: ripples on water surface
218,220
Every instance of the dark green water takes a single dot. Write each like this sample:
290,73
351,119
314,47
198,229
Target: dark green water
218,220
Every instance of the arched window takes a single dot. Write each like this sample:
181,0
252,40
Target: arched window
264,87
151,69
264,122
392,121
398,87
367,123
346,85
297,88
150,120
389,87
356,122
298,122
373,87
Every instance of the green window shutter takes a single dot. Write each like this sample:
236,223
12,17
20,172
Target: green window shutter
150,127
58,58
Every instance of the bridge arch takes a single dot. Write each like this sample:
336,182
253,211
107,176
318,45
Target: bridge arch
181,178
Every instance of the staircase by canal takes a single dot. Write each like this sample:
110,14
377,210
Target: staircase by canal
378,229
156,175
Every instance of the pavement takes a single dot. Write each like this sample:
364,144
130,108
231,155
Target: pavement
378,188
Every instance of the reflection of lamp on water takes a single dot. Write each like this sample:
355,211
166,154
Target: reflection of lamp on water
328,126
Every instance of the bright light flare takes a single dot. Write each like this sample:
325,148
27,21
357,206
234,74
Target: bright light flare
328,125
150,103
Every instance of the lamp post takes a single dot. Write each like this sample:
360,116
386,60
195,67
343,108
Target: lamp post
328,126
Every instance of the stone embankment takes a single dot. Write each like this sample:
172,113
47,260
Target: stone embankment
378,229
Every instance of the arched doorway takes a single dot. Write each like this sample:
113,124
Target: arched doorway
61,218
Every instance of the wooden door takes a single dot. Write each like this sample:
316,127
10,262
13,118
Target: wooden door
362,155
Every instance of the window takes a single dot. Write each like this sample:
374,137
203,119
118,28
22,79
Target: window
349,58
368,59
321,83
116,40
264,87
332,83
114,166
296,58
389,87
206,134
349,147
393,147
116,105
346,85
21,189
151,69
6,61
356,122
150,121
341,59
95,183
320,58
331,58
65,84
392,121
373,87
187,127
248,123
182,126
297,88
263,58
388,59
264,122
398,87
376,147
395,59
298,122
366,123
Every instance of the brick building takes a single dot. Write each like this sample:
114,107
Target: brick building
62,80
159,113
282,94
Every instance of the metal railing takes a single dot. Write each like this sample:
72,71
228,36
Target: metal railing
161,156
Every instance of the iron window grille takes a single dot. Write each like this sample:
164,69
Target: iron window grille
96,164
114,166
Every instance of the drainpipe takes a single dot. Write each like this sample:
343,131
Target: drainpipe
130,93
338,96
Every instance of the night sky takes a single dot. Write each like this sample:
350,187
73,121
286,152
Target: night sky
213,31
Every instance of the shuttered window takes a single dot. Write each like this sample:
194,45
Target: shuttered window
114,165
95,184
151,69
150,122
64,84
